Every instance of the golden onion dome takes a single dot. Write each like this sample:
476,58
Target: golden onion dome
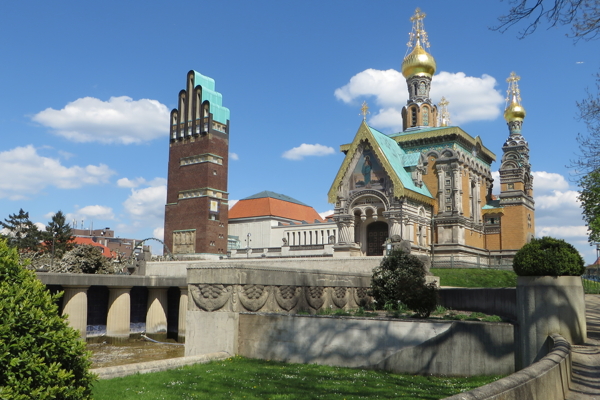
418,62
514,111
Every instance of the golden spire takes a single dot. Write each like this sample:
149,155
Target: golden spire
444,114
364,110
514,110
419,61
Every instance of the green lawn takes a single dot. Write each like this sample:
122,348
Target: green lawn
591,287
241,378
475,277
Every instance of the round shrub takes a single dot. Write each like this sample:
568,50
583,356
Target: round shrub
548,256
401,278
41,357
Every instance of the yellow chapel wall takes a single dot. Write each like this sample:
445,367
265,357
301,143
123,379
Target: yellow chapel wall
515,227
431,181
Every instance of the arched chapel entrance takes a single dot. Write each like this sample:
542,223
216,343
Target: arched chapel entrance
377,233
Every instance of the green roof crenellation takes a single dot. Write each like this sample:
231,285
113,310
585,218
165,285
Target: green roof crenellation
220,114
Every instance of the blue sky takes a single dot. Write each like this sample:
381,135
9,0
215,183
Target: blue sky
87,88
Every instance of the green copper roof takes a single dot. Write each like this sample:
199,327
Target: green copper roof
274,195
491,205
411,131
220,113
411,159
396,157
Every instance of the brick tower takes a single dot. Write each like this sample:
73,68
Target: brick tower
196,212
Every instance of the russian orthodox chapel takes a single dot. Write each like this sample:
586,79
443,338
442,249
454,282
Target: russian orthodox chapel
429,187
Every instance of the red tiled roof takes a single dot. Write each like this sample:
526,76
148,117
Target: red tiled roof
84,240
268,206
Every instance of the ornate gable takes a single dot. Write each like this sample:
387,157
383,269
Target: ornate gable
375,161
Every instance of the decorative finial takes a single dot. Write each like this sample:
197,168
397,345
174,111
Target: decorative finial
513,94
444,113
418,36
364,110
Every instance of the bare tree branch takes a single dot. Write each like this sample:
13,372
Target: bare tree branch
582,15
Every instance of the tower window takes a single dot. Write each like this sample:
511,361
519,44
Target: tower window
413,116
511,186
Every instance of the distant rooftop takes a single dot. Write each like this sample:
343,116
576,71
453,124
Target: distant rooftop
274,195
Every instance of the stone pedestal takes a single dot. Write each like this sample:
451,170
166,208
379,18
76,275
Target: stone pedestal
547,305
119,315
346,250
183,307
156,316
75,307
210,332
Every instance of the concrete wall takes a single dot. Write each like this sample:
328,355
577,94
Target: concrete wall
547,305
415,347
547,379
494,301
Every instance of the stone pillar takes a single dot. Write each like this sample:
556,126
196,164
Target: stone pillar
118,319
183,306
394,223
156,316
75,307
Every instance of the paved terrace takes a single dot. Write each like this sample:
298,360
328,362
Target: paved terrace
586,358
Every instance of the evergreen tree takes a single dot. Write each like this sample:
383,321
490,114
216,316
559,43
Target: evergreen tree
58,237
20,232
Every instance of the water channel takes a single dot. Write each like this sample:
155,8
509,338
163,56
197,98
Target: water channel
133,351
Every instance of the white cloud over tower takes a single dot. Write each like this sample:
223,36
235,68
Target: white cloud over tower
471,98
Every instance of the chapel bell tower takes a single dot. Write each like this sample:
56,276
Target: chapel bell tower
516,180
196,213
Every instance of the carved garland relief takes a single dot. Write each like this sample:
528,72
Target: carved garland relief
254,298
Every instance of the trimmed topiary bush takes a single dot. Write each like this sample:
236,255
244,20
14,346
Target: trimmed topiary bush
41,357
401,278
548,256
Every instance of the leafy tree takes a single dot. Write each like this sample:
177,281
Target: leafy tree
41,357
21,232
58,237
548,256
589,196
582,15
85,259
401,278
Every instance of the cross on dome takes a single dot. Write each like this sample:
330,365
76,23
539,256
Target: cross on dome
418,36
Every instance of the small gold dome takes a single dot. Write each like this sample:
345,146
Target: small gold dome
514,112
418,62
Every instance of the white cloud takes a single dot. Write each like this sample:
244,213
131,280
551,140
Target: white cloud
232,203
471,98
234,156
136,182
307,150
118,120
544,182
130,183
92,212
30,173
147,204
159,233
